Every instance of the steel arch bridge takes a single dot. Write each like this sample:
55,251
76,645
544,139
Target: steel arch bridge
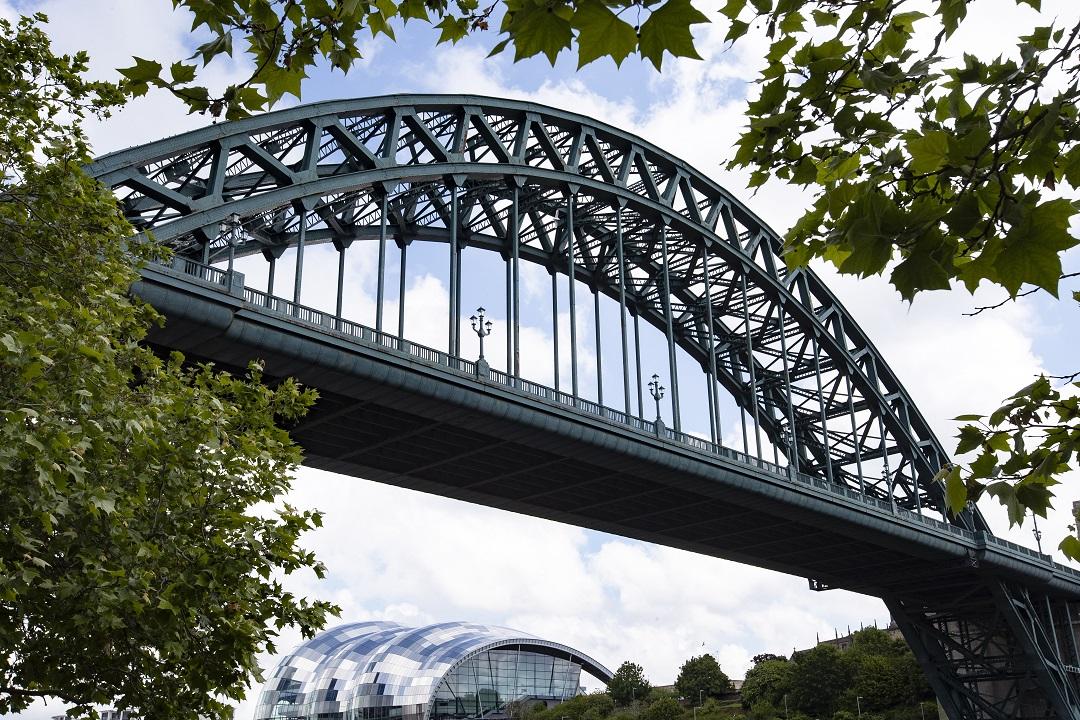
849,498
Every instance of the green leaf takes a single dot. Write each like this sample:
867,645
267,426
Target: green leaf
378,26
737,29
280,81
1006,495
929,151
970,438
452,29
1070,547
733,9
668,29
182,73
413,10
918,272
952,12
499,47
539,29
956,493
602,34
1033,246
143,71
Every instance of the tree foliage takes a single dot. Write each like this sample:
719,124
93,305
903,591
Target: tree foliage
767,682
135,566
942,163
594,706
285,38
818,677
936,167
700,678
664,707
824,681
628,684
1020,451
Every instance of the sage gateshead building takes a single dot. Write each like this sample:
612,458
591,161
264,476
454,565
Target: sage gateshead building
447,671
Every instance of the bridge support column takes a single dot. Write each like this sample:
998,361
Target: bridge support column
622,305
793,441
714,414
454,342
988,654
637,362
298,277
555,323
515,240
341,244
380,284
599,346
403,259
673,368
750,366
571,273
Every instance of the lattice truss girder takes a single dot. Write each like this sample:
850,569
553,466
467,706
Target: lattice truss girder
783,346
997,651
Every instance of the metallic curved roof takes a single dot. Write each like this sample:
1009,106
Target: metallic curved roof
388,659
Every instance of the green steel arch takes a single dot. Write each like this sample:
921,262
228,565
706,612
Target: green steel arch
778,341
673,249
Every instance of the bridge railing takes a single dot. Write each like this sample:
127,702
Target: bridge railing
330,322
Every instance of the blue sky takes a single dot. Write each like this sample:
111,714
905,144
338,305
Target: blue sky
402,555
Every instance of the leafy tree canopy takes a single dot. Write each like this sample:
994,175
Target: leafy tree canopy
664,707
286,38
874,641
628,684
134,568
767,682
765,657
818,677
700,678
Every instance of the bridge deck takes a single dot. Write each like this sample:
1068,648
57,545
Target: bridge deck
523,447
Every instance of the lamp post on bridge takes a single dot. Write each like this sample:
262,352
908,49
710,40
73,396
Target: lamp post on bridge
228,229
657,392
482,328
1036,531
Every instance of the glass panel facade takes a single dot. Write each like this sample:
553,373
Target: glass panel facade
483,685
383,671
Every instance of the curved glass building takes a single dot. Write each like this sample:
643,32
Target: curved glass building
447,671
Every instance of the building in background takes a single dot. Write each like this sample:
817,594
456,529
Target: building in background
447,671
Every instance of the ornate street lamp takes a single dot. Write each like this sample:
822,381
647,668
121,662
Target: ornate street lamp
229,228
657,391
482,328
1036,531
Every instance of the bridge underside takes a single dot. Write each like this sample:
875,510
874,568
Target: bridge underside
490,444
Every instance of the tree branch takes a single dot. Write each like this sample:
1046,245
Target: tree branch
1030,291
